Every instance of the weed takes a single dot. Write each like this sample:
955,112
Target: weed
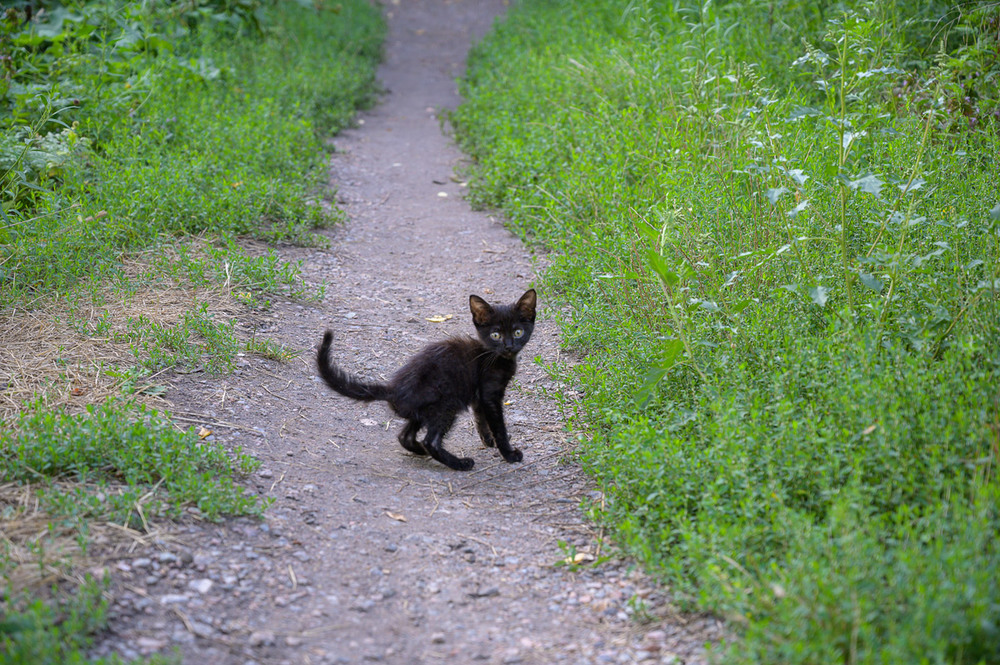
781,265
142,146
140,465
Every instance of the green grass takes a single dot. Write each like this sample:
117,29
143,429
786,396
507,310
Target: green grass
142,145
782,261
128,464
208,134
47,634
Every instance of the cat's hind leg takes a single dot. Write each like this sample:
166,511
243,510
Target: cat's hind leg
434,443
408,438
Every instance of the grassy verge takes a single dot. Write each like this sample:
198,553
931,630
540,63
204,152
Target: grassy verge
148,154
778,231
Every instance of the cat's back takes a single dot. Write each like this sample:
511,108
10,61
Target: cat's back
453,361
454,352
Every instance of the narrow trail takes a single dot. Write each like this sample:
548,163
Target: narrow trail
369,554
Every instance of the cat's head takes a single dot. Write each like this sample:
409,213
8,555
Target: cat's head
504,329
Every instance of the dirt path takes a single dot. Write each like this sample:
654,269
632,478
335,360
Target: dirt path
369,554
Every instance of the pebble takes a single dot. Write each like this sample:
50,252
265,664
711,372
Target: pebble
201,630
363,606
148,645
173,599
486,593
261,638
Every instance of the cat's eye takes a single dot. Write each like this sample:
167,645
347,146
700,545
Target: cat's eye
495,335
518,333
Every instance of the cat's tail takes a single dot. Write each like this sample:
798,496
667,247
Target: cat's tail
344,383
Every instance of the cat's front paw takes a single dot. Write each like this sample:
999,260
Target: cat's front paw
513,456
463,463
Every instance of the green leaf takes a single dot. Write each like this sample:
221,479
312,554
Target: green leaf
870,184
871,281
672,351
819,295
774,194
799,208
738,307
804,112
913,186
661,268
799,176
849,138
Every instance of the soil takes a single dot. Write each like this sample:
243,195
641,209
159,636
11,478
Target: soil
370,554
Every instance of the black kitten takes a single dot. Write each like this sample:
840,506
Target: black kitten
449,376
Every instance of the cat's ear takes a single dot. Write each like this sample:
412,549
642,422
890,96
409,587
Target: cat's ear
526,305
481,310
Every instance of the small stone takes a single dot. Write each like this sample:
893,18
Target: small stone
148,645
173,599
201,561
262,638
293,641
265,473
201,630
201,586
363,606
141,563
437,638
486,593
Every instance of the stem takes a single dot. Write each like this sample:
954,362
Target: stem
958,317
781,211
845,260
679,327
909,183
842,161
894,276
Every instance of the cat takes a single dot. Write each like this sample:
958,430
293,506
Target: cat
449,376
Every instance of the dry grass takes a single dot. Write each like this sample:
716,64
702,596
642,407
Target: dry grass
43,356
47,355
38,552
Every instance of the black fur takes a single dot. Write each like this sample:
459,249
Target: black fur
449,376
